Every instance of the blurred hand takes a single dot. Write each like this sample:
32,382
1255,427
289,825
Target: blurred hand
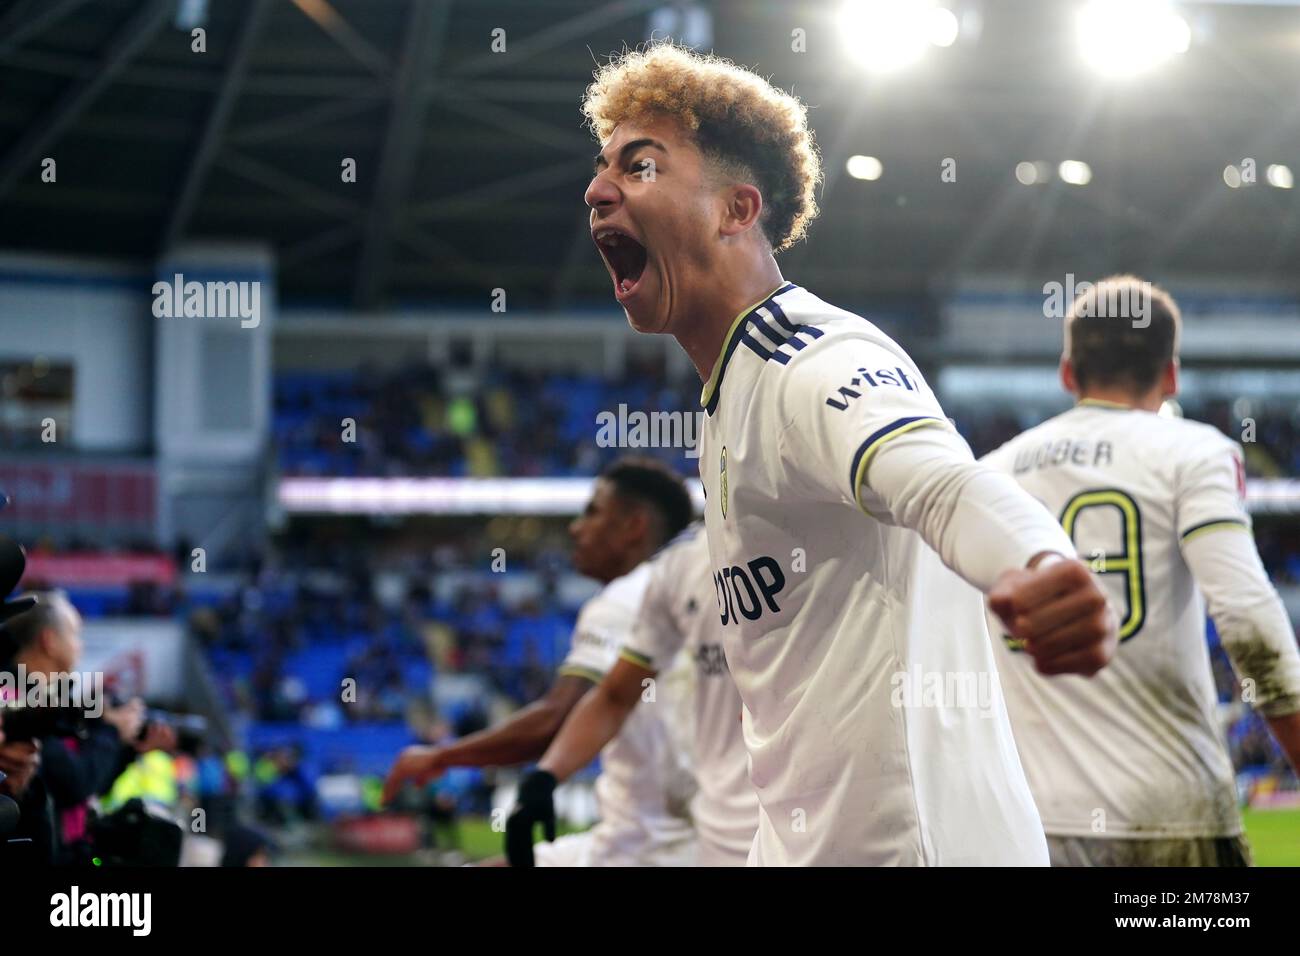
418,765
157,737
1057,608
128,719
19,760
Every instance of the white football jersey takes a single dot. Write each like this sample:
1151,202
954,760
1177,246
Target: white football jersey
832,614
1135,751
679,616
645,784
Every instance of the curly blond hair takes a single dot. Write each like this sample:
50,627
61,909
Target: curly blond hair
749,128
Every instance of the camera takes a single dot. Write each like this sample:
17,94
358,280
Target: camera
21,722
135,835
191,729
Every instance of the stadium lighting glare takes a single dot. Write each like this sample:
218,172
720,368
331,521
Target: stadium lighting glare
887,35
1121,38
1075,172
943,27
865,167
1232,176
1033,174
1280,177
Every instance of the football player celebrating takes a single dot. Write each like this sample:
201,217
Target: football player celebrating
850,530
677,616
644,787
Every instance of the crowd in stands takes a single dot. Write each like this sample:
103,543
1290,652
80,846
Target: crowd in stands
527,424
512,423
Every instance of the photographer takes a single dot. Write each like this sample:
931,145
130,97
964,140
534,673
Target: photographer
76,764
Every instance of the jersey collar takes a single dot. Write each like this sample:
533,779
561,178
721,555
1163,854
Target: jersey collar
1102,403
709,397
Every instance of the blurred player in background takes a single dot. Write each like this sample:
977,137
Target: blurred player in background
678,614
837,492
1130,768
644,787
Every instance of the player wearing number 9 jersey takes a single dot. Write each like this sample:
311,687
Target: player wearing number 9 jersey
1130,768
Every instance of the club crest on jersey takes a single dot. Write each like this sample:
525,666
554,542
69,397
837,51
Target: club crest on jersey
722,480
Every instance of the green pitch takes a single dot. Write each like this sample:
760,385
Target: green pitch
1274,837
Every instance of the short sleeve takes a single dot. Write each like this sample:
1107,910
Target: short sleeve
842,400
657,635
1212,491
595,645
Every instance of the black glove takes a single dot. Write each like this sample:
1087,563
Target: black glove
533,805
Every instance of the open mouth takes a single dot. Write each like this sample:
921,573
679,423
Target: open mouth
624,257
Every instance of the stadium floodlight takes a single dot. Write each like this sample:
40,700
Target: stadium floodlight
943,27
1121,38
865,167
1232,176
1075,172
1280,176
887,35
1033,174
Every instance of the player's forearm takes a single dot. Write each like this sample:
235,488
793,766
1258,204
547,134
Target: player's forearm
979,521
593,724
1286,731
1253,624
1261,645
524,736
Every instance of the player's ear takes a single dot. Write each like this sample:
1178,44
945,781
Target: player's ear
1068,380
1169,383
744,204
637,523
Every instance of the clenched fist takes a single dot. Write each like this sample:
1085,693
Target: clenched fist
1059,612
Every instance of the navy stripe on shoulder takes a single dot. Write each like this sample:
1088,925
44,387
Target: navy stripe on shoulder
762,352
779,314
712,404
810,330
772,335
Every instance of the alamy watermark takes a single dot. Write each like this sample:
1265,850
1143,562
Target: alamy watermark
1112,301
624,429
946,690
209,300
82,691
